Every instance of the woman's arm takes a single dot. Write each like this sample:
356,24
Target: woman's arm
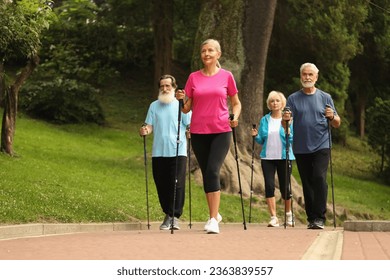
187,106
236,107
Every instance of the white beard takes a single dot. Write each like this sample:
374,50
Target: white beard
307,84
166,98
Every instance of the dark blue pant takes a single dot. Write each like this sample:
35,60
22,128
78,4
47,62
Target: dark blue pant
210,151
313,169
164,170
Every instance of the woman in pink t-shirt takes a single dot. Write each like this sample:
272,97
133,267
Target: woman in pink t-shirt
208,91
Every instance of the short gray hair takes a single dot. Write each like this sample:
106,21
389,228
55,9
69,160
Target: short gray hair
166,76
309,65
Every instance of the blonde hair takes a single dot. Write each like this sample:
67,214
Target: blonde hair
215,44
274,93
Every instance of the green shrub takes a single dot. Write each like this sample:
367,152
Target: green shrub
62,101
378,131
62,88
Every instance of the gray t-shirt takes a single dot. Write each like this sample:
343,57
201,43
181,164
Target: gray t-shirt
309,122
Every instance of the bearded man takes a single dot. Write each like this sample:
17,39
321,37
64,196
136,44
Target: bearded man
162,121
313,111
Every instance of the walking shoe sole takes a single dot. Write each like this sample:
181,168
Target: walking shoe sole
277,225
164,228
289,225
316,227
175,228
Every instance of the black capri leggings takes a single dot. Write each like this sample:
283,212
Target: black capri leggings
270,167
210,151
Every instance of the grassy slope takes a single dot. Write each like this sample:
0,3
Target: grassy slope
79,173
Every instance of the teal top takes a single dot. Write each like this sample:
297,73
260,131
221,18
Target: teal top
262,138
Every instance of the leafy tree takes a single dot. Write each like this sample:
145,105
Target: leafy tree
378,130
370,69
22,23
163,37
62,90
91,43
174,26
323,32
186,14
59,92
122,33
80,31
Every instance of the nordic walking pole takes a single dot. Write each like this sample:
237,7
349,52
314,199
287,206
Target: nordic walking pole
189,171
253,153
331,167
177,162
291,196
238,171
146,179
287,175
287,178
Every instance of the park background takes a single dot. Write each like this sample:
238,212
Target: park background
77,77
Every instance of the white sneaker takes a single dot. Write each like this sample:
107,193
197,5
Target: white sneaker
213,226
290,221
219,219
274,222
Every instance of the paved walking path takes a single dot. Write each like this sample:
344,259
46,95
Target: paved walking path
368,240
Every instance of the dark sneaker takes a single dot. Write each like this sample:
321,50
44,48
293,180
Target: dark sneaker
310,225
166,223
318,224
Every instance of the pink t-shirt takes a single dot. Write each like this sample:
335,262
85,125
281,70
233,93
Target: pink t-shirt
210,111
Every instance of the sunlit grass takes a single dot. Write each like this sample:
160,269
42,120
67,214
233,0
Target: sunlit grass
81,173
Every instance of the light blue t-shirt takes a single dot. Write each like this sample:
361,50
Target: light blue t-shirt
309,122
164,119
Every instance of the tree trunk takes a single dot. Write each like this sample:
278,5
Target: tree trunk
163,36
257,30
2,83
8,125
11,105
362,116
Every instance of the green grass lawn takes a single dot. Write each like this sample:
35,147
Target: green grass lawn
79,173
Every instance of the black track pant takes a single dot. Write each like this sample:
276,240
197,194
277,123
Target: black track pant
164,169
312,170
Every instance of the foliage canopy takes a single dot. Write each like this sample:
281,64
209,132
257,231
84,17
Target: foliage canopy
378,130
22,23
